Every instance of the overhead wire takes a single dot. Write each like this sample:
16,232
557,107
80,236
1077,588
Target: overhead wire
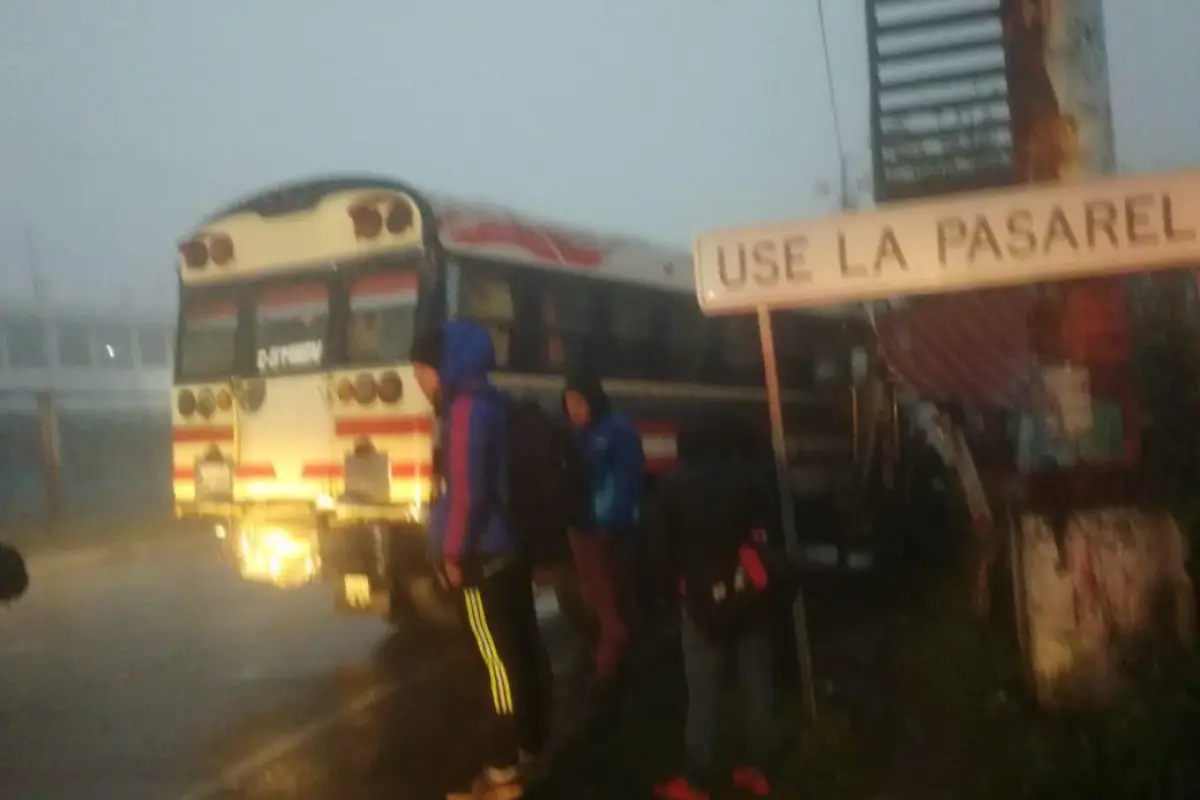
843,178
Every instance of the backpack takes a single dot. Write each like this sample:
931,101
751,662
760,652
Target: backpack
723,597
14,577
547,489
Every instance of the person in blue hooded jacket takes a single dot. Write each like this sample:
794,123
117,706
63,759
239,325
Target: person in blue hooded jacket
477,553
605,550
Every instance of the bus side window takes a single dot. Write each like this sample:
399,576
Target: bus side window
487,298
739,354
568,308
687,340
629,345
795,336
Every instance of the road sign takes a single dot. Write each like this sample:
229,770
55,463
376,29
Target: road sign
1050,232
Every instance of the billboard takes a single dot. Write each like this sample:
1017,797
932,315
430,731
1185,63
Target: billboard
939,110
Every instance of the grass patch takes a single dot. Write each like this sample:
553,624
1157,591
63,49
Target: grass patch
939,711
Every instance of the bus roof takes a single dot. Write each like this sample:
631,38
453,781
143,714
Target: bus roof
490,230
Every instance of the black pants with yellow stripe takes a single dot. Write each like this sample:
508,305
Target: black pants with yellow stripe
499,609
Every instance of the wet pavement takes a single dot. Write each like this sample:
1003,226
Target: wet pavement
164,676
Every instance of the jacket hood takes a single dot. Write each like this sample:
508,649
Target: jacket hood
593,392
467,356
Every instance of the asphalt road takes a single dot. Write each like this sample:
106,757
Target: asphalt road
162,675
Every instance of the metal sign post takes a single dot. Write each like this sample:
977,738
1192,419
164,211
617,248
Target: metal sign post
787,508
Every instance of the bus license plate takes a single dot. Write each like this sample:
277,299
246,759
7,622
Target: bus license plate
358,590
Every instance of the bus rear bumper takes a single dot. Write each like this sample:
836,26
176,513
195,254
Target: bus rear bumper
288,543
329,510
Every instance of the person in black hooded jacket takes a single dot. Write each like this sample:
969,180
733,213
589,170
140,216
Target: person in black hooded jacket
717,501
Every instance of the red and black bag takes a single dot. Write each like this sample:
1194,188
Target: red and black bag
723,596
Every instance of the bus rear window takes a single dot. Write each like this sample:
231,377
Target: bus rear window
290,326
208,337
383,308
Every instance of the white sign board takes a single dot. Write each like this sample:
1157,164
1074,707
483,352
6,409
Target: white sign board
1027,235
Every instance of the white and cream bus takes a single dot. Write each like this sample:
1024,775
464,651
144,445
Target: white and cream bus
299,431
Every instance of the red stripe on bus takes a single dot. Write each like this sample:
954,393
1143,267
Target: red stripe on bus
255,471
211,310
399,469
385,283
659,466
244,471
383,426
317,471
202,434
657,427
412,469
294,296
547,244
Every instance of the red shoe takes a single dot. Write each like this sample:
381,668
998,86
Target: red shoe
679,789
751,781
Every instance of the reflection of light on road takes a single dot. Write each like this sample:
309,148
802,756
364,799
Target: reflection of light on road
236,775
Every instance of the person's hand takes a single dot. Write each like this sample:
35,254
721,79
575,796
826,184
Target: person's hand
453,572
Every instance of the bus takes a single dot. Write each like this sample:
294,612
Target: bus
299,432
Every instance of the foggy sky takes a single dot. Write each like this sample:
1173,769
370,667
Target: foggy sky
123,122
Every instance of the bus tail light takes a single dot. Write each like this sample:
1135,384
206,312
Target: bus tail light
206,403
400,216
220,247
368,222
224,400
195,254
365,390
391,388
186,404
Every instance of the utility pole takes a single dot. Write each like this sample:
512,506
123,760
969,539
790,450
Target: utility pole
47,412
31,263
